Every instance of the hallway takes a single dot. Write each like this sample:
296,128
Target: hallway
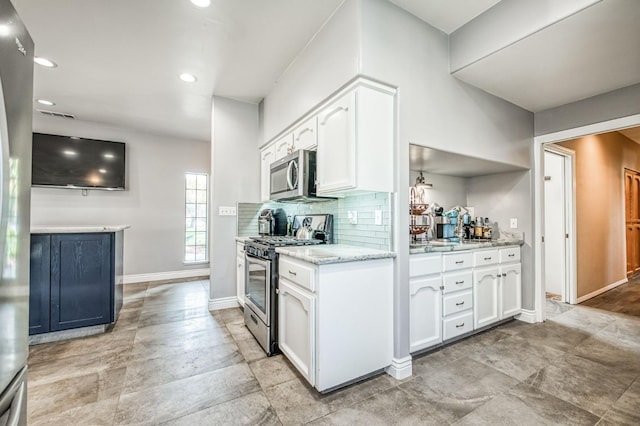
624,299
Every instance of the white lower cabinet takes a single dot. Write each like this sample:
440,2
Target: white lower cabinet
240,291
511,292
452,294
485,296
425,306
335,321
296,327
497,290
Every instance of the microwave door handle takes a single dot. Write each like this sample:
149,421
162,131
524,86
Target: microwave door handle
290,167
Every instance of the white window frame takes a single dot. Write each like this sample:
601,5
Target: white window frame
194,216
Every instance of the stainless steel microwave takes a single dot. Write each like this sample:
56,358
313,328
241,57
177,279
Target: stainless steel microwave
293,178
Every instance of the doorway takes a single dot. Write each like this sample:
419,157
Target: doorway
632,220
559,224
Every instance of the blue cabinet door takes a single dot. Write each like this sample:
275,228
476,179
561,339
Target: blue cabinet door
39,283
81,277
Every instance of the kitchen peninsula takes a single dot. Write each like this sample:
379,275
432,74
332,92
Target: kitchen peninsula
76,280
336,312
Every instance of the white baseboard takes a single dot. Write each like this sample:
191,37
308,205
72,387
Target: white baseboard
400,368
223,303
527,316
171,275
602,290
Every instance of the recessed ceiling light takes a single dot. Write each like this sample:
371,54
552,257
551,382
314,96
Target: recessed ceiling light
201,3
44,62
188,78
45,102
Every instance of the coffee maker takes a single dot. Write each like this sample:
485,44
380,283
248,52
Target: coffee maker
445,227
272,222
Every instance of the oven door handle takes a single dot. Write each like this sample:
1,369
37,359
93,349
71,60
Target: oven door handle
257,260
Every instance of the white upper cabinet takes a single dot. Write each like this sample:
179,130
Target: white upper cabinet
355,142
305,136
282,146
267,156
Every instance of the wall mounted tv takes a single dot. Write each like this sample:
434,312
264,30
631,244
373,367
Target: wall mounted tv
70,162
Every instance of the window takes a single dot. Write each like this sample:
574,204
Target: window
196,212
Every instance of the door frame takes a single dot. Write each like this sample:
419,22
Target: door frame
538,182
570,288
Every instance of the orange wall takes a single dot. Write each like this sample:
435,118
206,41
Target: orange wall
600,163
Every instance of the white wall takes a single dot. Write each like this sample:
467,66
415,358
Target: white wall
619,103
153,203
235,177
330,60
447,191
501,197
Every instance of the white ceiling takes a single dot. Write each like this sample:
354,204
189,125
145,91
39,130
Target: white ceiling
452,164
591,52
119,60
446,15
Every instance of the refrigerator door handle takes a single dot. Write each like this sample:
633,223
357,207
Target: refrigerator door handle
14,399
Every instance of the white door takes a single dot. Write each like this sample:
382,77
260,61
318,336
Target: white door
306,135
485,296
425,325
282,146
336,145
511,290
296,328
267,156
554,224
240,291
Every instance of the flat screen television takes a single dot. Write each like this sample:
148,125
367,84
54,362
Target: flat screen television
70,162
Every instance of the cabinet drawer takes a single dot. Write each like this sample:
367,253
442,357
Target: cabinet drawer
485,257
455,261
424,264
510,254
298,273
457,325
457,281
457,302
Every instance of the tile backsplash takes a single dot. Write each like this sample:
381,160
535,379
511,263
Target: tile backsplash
363,234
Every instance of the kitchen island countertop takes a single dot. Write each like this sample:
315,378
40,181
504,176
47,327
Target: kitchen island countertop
333,253
433,247
77,229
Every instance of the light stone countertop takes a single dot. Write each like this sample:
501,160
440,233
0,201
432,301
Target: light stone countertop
334,253
76,229
433,247
242,239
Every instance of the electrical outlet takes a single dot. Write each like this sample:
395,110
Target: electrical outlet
378,217
226,211
352,217
514,223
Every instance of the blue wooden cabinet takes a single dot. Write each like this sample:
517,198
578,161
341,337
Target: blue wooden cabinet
40,291
79,281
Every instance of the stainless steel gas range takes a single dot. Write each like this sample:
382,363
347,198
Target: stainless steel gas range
261,278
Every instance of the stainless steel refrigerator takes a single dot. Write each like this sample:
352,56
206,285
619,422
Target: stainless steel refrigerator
16,100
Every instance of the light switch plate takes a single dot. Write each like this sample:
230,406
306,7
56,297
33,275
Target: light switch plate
352,217
513,223
227,211
378,217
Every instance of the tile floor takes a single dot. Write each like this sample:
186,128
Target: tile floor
170,361
624,299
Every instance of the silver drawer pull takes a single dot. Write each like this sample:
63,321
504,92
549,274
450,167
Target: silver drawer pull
459,262
512,254
460,325
460,304
487,258
292,272
459,282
